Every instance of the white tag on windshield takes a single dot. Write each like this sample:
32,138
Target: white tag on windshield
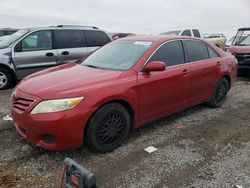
144,43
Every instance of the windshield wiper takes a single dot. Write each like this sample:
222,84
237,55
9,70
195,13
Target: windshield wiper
92,66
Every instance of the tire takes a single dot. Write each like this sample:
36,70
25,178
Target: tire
219,93
108,127
5,79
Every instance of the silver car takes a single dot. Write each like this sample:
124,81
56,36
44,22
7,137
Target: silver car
31,50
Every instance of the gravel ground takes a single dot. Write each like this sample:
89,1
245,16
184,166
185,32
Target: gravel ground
211,149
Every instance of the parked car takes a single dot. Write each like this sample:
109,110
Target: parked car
30,50
97,102
218,41
241,48
116,36
7,31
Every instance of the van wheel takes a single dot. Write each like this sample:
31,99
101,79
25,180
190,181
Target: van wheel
219,93
107,128
5,79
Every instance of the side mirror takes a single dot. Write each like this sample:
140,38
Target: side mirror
154,66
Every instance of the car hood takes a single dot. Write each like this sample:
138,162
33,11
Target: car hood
68,80
240,49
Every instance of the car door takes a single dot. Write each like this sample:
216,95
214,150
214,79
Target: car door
203,69
96,39
71,45
165,92
33,53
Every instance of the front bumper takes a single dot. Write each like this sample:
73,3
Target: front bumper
52,131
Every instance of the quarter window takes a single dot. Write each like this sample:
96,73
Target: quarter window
170,53
40,40
97,38
70,39
212,53
195,50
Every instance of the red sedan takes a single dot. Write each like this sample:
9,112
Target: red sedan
123,85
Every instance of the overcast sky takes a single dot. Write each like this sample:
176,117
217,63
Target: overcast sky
137,16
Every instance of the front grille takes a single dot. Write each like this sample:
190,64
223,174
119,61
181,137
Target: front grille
243,57
21,104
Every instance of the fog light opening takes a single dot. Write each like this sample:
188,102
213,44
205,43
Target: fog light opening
50,139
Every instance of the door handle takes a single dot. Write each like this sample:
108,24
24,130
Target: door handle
49,54
185,72
65,53
218,63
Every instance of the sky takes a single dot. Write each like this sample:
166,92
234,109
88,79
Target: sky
136,16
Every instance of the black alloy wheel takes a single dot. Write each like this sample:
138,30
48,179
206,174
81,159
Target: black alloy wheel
219,93
107,128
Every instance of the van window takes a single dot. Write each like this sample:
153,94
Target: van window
195,50
186,33
170,53
40,40
70,39
96,38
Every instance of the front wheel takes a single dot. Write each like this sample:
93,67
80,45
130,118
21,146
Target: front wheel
107,128
219,93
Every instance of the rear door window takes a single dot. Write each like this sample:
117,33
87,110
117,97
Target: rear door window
170,53
186,33
96,38
70,39
196,33
195,50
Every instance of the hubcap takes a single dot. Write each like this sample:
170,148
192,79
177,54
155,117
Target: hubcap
220,92
3,79
111,128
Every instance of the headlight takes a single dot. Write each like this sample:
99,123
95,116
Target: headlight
57,105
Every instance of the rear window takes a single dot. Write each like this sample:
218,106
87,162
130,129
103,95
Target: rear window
70,39
196,33
97,38
195,50
186,33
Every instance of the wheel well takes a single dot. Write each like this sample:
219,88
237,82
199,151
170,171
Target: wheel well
125,104
13,75
227,77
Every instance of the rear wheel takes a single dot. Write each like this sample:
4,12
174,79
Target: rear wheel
5,79
219,93
107,128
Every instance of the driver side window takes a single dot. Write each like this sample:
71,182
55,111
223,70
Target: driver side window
170,53
40,40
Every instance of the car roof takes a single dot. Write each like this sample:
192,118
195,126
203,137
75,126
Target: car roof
65,27
244,28
155,38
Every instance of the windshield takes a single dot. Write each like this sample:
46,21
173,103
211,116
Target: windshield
246,41
240,37
7,41
172,33
118,55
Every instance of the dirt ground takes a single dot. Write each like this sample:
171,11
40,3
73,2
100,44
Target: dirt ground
212,149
